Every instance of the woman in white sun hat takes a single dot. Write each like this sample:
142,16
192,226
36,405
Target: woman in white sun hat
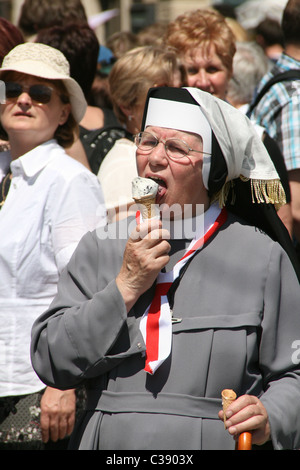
48,201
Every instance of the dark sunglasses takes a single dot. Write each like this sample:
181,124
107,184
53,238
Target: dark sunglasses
41,94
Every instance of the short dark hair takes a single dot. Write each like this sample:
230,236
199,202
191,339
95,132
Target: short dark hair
271,32
37,14
80,45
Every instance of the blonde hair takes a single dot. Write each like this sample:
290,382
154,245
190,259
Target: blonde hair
200,29
240,34
138,70
121,42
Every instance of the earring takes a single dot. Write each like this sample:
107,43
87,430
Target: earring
130,117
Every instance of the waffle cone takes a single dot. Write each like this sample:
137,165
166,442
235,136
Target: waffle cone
147,207
228,396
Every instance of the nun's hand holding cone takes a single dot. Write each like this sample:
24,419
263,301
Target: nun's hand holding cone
145,255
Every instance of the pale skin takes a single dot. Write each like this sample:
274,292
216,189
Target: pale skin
93,119
294,178
24,103
145,255
207,72
77,152
29,125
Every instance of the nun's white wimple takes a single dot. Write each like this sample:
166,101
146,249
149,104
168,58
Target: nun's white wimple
181,116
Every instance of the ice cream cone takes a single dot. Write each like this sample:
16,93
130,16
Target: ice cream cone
144,192
147,206
228,396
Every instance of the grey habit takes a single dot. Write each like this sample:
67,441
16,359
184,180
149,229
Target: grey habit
239,302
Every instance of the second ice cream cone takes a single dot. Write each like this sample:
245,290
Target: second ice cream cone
228,396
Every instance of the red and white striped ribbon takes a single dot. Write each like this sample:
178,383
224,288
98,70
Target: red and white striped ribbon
156,323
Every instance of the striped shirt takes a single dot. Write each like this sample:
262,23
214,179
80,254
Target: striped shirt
279,111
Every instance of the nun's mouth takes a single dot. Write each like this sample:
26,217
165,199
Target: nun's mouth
162,186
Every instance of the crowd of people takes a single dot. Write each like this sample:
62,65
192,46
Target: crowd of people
120,342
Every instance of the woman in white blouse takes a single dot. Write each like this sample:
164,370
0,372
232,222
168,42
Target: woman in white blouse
51,202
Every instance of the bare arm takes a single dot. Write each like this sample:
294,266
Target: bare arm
77,152
294,176
285,214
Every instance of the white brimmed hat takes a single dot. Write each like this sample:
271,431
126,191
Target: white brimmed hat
41,60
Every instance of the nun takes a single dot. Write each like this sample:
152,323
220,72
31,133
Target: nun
157,323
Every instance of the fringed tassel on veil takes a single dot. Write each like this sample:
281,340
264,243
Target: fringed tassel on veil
262,191
268,191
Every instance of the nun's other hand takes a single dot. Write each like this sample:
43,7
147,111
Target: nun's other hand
247,413
57,414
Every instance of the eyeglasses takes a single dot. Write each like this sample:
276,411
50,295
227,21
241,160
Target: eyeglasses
175,148
41,94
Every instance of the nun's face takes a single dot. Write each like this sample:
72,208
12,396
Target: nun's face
180,181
